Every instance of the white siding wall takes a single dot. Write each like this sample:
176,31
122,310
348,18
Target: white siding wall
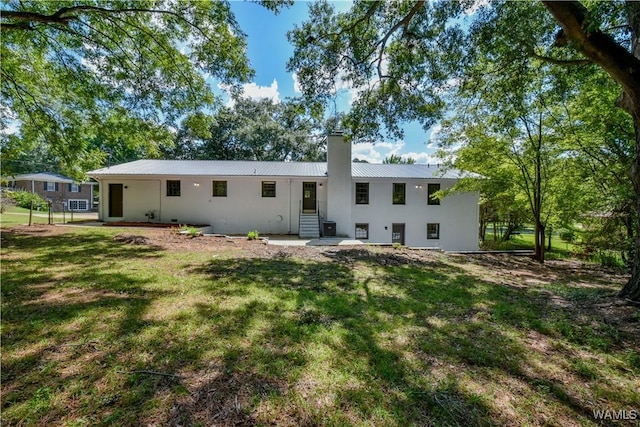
339,177
243,209
457,215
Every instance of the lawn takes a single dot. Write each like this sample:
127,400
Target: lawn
15,215
144,327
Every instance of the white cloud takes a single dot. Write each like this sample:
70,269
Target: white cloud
423,157
448,86
296,83
377,152
433,137
12,128
256,92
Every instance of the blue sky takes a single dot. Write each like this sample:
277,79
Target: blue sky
269,51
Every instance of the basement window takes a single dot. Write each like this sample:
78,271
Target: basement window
362,231
433,231
78,205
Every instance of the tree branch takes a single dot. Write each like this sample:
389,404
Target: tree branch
404,22
601,48
62,16
562,62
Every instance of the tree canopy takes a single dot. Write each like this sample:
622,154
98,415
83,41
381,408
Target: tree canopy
74,72
250,130
415,60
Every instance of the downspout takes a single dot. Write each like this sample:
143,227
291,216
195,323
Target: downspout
33,186
289,231
160,200
101,203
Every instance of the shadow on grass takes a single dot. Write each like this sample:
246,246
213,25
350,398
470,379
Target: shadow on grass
357,338
63,309
375,343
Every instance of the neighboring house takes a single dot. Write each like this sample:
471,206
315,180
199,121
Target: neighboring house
377,203
61,191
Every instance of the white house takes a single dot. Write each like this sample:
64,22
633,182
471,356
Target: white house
377,203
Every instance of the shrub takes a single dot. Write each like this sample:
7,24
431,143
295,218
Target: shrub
24,199
191,231
253,235
568,236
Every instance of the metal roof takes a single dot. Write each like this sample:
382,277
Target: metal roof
44,176
214,168
256,168
419,171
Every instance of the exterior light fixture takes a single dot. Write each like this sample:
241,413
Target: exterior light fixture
418,186
196,184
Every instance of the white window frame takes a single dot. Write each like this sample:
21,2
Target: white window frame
49,186
75,188
77,203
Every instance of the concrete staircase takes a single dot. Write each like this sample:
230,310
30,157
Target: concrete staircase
309,226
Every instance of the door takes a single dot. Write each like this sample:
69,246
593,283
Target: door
115,200
308,197
397,233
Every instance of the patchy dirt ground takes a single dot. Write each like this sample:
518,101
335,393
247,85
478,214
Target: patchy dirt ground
217,393
509,270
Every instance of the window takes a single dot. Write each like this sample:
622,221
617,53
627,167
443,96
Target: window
362,231
431,190
433,231
173,188
399,191
50,186
362,193
78,205
74,188
219,188
268,189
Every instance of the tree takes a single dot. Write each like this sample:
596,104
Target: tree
585,33
402,56
74,71
250,130
398,160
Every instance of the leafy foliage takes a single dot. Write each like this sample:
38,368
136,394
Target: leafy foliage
390,53
251,130
24,199
395,159
79,74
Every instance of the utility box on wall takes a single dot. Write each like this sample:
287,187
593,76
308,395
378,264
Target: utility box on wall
329,229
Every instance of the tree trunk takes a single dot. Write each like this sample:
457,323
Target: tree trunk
542,252
632,289
624,67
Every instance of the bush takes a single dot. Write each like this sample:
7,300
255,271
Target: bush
568,236
24,199
253,235
190,231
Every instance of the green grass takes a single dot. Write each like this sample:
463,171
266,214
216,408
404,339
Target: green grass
20,216
99,332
